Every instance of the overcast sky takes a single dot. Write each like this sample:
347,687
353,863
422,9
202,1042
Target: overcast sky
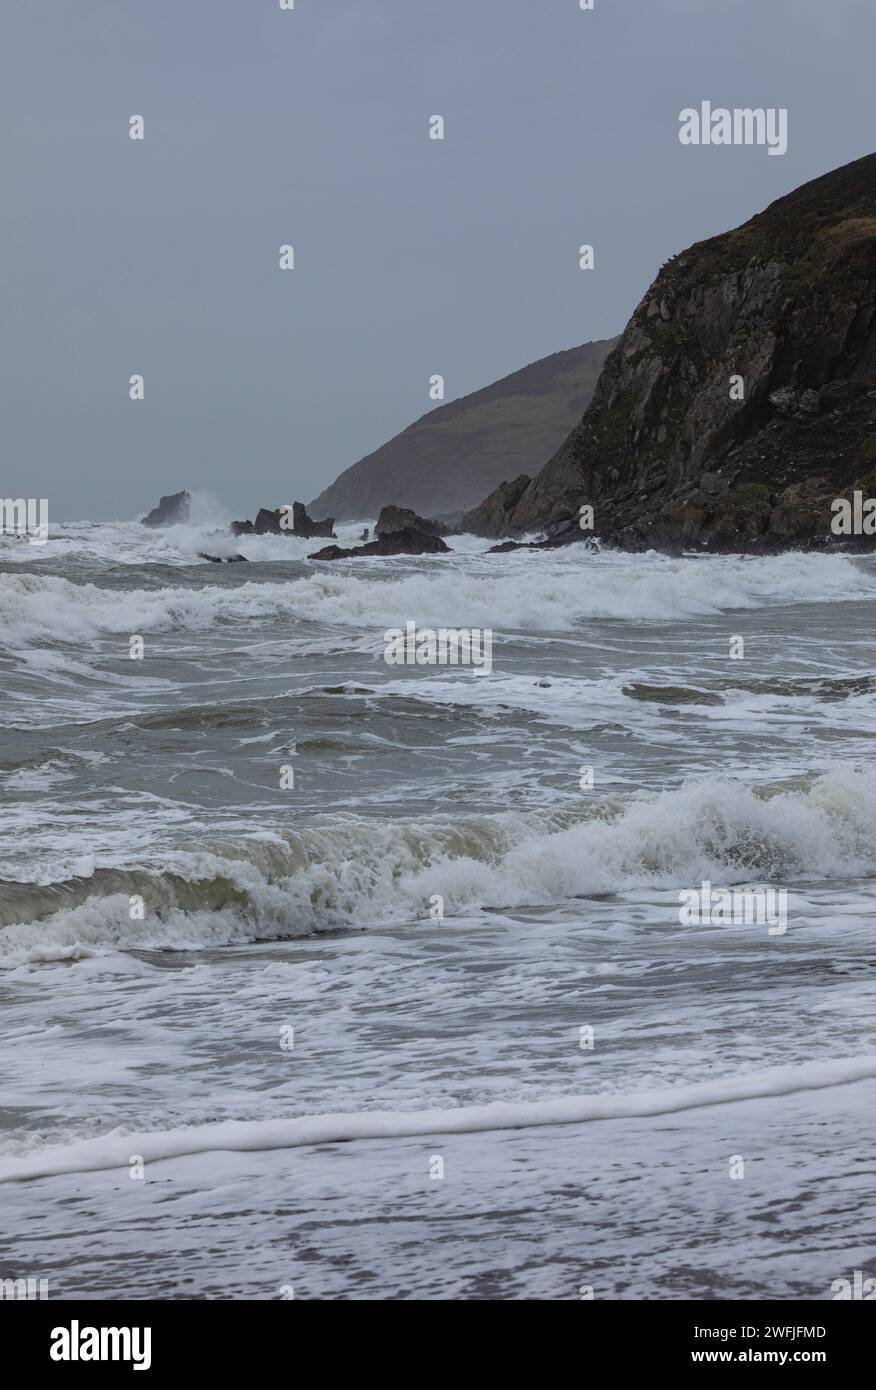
309,127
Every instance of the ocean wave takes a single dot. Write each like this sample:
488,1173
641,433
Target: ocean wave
116,1149
351,872
130,543
509,593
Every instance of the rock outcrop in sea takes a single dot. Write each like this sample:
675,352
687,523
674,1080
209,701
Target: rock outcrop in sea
276,523
170,510
740,401
406,541
404,519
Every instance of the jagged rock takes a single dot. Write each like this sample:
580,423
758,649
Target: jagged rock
791,402
303,525
404,542
556,534
222,559
267,523
785,399
667,454
170,510
276,523
838,393
565,536
403,519
493,516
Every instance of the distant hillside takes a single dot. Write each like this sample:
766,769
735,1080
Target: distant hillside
449,459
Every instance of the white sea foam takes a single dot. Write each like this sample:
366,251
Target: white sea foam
355,872
115,1150
522,591
129,543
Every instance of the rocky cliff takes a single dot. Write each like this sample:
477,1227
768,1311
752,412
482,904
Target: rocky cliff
741,398
451,457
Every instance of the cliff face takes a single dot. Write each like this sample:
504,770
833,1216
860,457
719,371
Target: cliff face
741,398
449,459
493,517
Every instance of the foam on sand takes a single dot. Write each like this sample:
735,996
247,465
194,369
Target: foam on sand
116,1150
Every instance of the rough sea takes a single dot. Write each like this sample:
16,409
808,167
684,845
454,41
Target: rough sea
426,1024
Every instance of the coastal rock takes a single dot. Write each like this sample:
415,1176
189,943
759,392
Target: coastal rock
303,525
170,510
267,523
276,523
222,559
494,515
404,519
564,534
404,542
747,371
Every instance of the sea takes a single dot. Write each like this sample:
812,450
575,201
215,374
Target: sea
325,978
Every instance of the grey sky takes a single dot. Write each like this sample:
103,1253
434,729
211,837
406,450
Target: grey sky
413,257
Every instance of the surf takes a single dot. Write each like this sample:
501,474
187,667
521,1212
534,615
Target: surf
349,872
118,1151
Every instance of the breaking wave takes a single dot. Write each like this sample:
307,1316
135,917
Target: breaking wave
351,872
515,592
